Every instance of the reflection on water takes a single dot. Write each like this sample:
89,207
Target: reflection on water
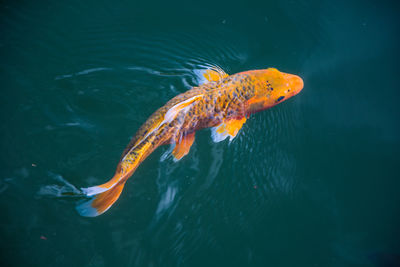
167,187
216,162
83,72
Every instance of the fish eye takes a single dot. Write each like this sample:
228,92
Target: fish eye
280,98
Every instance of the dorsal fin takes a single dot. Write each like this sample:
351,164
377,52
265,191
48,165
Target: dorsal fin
214,75
210,75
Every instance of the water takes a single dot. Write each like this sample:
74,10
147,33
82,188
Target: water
311,182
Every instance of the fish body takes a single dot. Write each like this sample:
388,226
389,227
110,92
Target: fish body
222,104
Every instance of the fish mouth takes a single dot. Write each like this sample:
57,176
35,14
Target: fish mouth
295,83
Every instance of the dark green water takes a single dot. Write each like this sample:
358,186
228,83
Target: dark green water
312,182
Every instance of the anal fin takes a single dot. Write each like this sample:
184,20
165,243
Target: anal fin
228,128
183,146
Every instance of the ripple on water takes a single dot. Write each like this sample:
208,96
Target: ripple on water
62,189
120,78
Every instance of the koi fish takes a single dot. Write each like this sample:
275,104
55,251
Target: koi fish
223,104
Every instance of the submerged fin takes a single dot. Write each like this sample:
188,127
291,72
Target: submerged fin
183,146
227,128
100,203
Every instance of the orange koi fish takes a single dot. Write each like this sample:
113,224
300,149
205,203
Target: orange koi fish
223,104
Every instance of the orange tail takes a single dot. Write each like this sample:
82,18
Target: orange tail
104,196
100,203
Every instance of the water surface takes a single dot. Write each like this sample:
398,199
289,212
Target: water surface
311,182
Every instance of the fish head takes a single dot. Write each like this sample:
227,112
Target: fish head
272,87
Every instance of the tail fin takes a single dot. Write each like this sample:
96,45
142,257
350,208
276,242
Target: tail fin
100,202
104,196
95,190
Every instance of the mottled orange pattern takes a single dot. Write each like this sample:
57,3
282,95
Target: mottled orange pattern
223,103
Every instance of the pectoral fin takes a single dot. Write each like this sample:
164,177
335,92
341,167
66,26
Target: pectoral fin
227,128
183,146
